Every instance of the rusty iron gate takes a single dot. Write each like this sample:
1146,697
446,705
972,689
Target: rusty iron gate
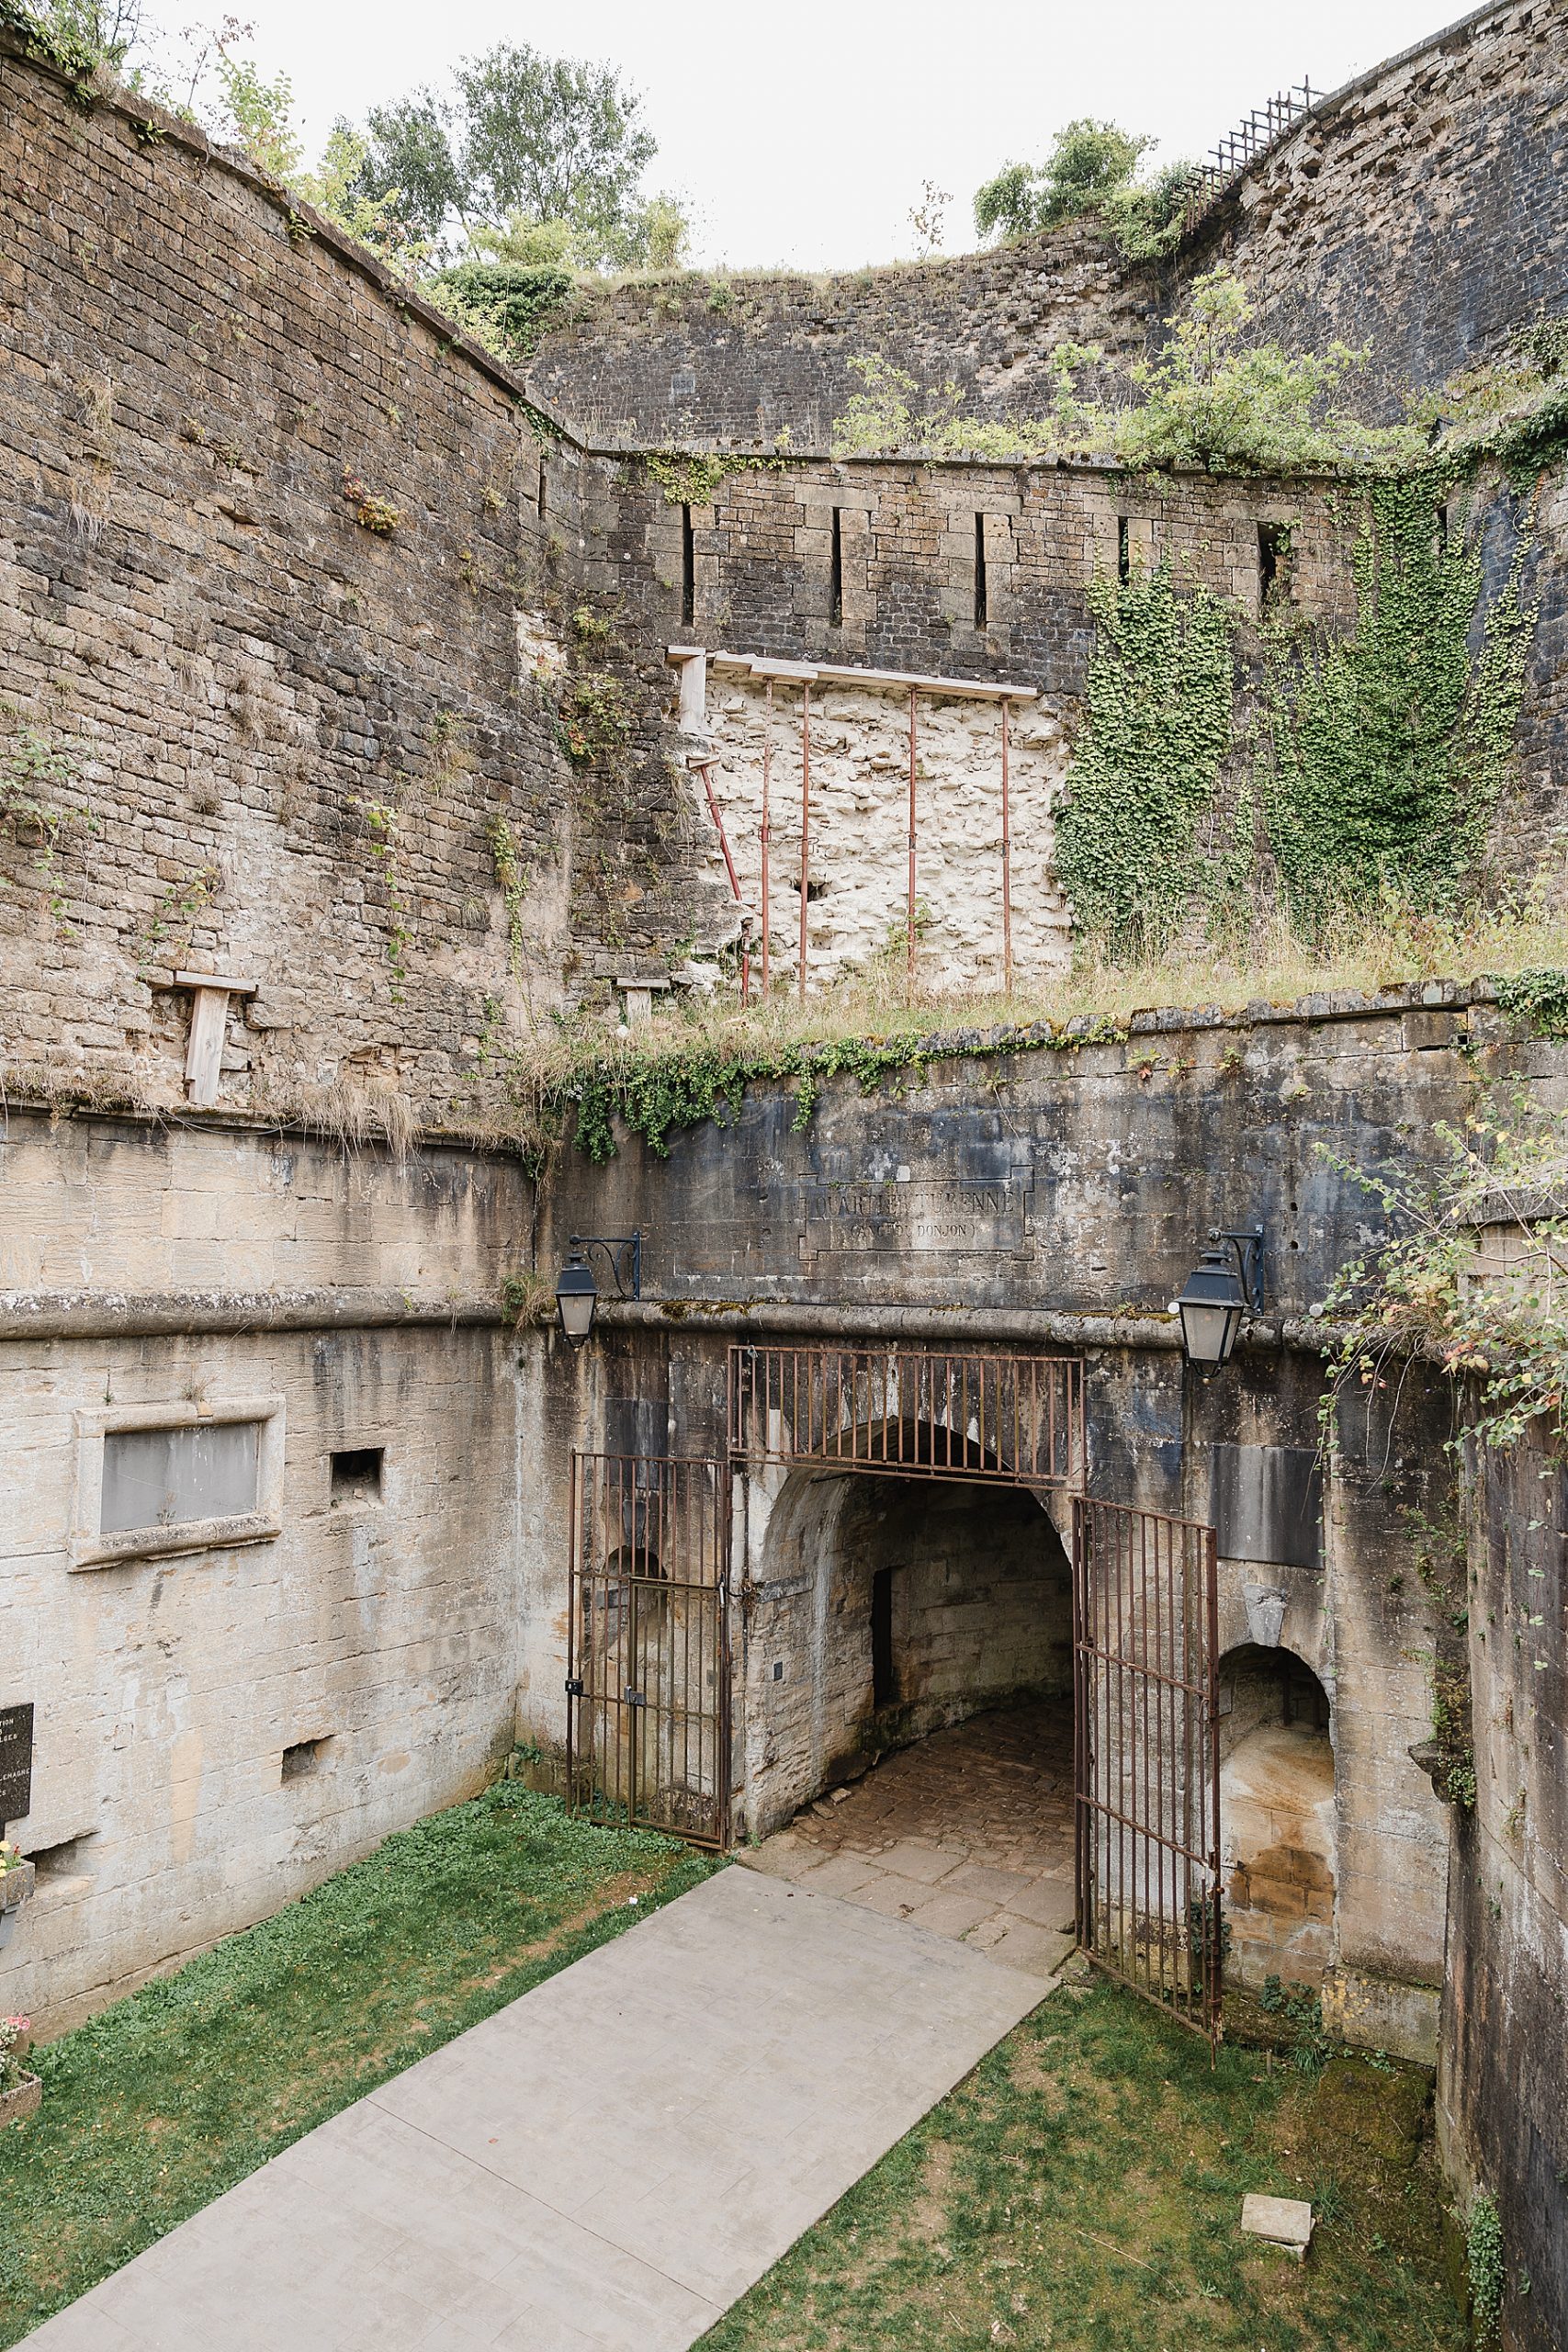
915,1413
648,1663
1145,1644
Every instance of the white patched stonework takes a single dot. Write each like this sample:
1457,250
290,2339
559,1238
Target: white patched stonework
858,829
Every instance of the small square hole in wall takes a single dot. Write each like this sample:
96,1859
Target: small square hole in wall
356,1475
305,1756
68,1860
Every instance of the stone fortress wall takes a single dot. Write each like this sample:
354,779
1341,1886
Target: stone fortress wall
1419,210
349,670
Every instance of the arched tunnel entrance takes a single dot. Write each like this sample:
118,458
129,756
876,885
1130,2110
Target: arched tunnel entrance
860,1639
889,1609
909,1703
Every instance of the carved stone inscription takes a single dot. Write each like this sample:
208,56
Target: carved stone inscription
942,1213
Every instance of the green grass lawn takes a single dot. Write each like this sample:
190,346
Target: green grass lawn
1081,2193
160,2103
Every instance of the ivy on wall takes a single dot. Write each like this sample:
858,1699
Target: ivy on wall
657,1093
1148,760
1382,753
1390,746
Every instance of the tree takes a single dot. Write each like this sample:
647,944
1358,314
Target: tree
1088,162
1089,173
526,159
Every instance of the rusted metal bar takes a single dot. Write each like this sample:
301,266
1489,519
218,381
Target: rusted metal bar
1006,865
1145,1631
910,1410
805,827
912,770
648,1718
704,769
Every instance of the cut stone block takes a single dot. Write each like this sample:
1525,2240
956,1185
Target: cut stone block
1284,2222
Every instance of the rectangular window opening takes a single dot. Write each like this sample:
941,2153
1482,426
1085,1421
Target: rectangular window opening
356,1475
1273,565
542,491
305,1756
173,1477
980,609
1442,531
883,1666
836,573
1123,550
688,568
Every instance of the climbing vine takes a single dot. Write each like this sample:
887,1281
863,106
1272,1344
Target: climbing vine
659,1093
1390,746
1484,2262
1147,763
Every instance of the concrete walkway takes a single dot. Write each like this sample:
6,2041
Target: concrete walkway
608,2163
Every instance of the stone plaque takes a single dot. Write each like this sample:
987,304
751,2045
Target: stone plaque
16,1762
925,1212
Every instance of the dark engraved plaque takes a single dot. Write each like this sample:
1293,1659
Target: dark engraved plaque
16,1762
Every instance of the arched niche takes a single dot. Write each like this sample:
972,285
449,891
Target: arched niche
1276,1815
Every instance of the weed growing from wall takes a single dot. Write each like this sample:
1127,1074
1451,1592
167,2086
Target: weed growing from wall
513,878
372,513
596,717
695,477
383,826
1501,1327
1390,746
1147,761
166,936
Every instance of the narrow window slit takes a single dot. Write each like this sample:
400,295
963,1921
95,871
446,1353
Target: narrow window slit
1273,565
980,571
836,573
542,479
688,568
1123,550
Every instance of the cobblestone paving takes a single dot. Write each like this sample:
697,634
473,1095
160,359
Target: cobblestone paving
969,1833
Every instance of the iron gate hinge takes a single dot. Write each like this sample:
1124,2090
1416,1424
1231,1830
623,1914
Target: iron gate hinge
574,1686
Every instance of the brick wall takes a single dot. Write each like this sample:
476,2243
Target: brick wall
710,359
225,675
1419,210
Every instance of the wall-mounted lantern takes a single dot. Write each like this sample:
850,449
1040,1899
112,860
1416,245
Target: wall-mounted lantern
1219,1295
577,1292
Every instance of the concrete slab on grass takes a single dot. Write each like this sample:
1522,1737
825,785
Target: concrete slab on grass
603,2166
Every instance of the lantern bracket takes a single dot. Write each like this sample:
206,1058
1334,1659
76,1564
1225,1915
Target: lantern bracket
621,1253
1247,1244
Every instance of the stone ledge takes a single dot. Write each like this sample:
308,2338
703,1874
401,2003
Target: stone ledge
108,1314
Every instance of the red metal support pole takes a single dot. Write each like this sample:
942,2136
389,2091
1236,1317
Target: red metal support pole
804,825
703,769
767,773
913,763
1007,862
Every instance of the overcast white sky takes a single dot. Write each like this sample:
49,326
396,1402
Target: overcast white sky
803,134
